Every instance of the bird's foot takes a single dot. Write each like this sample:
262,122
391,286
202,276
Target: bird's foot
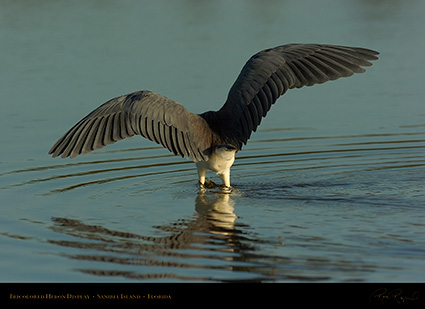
208,184
225,189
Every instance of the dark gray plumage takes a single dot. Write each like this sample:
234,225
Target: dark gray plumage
211,139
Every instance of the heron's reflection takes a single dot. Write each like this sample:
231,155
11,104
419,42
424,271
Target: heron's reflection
211,236
216,209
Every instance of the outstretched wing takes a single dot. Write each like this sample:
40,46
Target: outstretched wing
271,72
145,113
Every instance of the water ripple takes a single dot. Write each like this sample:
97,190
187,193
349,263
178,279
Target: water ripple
331,154
283,178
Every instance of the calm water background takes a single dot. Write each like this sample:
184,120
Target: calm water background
330,189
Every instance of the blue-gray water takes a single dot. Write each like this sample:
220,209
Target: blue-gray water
330,189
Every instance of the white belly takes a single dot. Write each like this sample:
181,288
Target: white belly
219,161
218,164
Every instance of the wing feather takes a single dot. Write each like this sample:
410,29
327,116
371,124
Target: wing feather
144,113
270,73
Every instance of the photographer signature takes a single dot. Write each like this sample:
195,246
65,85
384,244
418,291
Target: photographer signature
396,295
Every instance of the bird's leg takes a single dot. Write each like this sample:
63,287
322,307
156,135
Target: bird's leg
225,178
202,172
223,172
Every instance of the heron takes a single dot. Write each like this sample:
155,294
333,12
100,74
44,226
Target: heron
212,139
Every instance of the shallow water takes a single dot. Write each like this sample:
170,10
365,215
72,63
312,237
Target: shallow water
330,189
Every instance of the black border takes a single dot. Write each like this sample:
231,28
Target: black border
16,294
